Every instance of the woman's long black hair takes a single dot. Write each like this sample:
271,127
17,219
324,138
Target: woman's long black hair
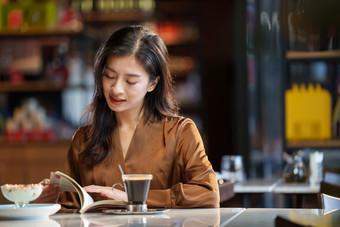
151,52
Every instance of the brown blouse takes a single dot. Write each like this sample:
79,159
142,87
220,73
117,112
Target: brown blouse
171,150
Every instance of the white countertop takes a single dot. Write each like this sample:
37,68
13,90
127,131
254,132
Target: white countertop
275,186
188,217
265,217
174,217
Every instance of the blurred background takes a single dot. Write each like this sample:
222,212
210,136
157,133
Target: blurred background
240,68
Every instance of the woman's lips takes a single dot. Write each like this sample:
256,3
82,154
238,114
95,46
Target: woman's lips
116,101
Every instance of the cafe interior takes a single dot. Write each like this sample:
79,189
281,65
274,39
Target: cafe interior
260,79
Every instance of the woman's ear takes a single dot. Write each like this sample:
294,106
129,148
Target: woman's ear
153,84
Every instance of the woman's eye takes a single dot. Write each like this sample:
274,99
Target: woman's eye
131,83
109,77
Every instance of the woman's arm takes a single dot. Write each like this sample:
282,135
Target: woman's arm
198,186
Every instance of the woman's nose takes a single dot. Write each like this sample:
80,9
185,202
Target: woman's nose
117,87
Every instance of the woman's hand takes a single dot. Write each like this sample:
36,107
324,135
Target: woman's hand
49,194
107,192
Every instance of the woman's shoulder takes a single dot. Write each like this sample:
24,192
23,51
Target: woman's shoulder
178,122
177,119
182,129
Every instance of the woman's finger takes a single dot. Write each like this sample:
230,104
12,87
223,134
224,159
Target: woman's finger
96,188
45,182
107,192
49,194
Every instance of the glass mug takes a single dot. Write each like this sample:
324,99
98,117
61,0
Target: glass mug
232,167
137,189
295,171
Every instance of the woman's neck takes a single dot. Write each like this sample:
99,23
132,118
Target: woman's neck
128,119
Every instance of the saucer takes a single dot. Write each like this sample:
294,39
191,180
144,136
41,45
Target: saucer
126,212
30,211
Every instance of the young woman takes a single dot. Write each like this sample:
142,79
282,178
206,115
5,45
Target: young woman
134,123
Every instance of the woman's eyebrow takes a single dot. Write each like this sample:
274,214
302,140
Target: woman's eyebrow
128,74
108,68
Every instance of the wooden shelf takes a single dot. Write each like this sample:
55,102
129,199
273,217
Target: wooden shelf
116,16
31,86
300,55
40,32
314,144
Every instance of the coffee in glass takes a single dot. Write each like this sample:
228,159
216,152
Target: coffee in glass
137,189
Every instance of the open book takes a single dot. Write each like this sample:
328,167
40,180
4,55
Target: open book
66,183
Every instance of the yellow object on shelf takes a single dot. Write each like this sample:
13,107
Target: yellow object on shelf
27,15
307,113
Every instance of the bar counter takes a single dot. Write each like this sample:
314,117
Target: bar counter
189,217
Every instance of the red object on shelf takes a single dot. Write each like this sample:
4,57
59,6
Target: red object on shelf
171,32
16,136
15,18
16,77
49,135
34,136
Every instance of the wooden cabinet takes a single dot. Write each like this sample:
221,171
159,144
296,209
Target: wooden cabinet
30,163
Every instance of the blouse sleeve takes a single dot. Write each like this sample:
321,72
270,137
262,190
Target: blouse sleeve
198,186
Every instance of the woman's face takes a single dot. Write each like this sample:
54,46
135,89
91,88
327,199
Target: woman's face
125,84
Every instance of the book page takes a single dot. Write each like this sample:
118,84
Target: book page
104,204
66,183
